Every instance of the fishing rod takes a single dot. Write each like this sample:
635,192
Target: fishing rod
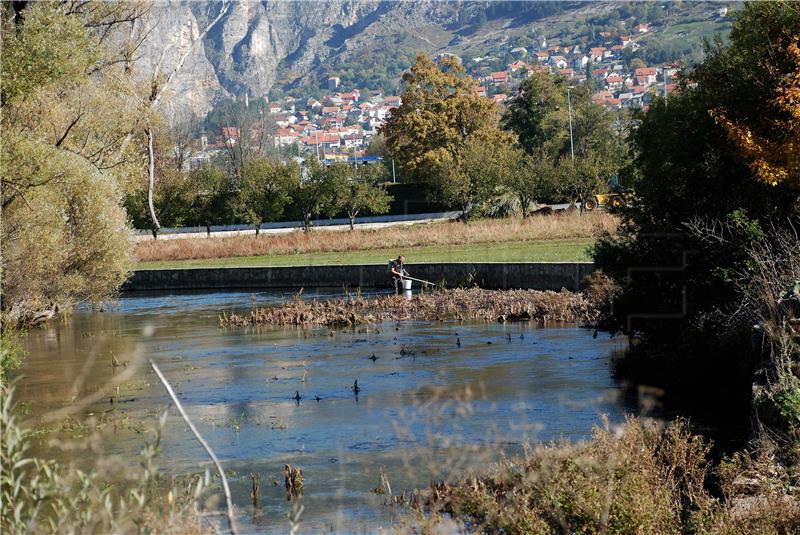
419,280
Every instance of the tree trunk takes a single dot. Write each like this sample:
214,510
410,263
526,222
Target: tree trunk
523,202
151,187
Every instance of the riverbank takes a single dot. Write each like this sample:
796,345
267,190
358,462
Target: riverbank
489,275
568,235
634,478
458,304
569,250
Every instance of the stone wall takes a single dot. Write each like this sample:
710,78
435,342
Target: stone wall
491,275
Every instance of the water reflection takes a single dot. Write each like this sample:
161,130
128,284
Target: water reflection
436,399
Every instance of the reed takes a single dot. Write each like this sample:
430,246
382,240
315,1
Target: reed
456,304
568,225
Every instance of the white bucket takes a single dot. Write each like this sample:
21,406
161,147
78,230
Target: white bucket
406,284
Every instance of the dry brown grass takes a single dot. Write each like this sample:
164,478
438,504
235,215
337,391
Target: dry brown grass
569,225
458,304
637,478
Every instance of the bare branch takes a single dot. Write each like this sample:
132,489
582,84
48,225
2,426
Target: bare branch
201,440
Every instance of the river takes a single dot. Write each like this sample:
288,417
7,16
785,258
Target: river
437,400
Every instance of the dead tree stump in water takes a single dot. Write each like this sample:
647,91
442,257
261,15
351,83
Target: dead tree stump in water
256,493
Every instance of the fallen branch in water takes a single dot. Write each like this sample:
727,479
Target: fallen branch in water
457,304
201,440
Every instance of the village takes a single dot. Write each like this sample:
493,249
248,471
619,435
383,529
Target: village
341,123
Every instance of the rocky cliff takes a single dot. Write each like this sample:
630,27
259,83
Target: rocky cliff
247,48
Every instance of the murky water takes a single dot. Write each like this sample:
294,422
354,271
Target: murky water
428,408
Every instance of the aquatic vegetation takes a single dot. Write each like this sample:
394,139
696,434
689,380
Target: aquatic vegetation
293,481
42,496
457,304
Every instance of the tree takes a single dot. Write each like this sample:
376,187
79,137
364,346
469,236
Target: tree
528,177
691,164
64,236
439,115
214,197
587,174
359,190
468,177
770,139
315,194
266,188
538,114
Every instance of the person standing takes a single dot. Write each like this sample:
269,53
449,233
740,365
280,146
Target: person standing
398,270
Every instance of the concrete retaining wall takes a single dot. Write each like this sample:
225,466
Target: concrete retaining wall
490,275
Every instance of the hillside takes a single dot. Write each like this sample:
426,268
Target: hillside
293,47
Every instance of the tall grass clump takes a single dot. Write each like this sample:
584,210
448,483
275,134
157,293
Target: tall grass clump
43,496
568,225
638,478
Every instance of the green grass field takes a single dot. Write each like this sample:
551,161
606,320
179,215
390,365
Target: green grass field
534,251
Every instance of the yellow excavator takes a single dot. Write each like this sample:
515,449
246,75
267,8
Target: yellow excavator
616,199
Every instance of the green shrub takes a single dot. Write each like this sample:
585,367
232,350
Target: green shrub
40,496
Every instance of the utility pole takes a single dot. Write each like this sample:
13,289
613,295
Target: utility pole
394,178
569,107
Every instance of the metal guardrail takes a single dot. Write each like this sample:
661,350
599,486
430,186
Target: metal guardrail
298,224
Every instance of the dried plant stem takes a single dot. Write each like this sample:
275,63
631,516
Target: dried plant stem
201,440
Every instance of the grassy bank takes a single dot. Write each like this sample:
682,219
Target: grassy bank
570,250
567,233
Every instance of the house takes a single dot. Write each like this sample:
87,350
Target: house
596,54
579,63
602,72
605,35
392,100
353,140
285,136
519,52
274,107
517,65
383,112
314,104
616,51
614,82
230,133
499,77
333,83
642,28
542,57
558,62
624,40
602,95
541,69
499,98
649,74
566,72
330,110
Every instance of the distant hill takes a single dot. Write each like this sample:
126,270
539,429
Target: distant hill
293,47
